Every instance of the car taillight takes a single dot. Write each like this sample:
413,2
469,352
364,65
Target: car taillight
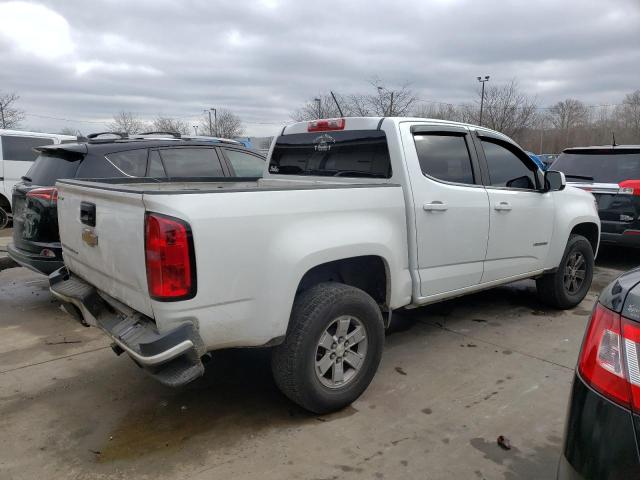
630,187
46,194
609,359
326,125
169,257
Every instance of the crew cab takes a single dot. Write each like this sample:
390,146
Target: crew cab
353,219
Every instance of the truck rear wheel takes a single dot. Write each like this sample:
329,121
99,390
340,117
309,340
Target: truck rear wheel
332,349
568,285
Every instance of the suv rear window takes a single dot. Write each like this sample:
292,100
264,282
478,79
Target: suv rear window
602,166
350,153
47,169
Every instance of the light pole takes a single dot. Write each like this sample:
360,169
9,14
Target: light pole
319,102
482,81
387,112
195,129
215,117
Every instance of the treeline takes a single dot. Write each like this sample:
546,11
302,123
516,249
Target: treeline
506,109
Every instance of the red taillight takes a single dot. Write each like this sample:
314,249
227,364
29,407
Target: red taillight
326,125
46,194
609,359
169,258
630,187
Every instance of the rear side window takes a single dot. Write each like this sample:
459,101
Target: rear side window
506,169
445,156
96,166
21,148
156,170
602,166
47,169
348,153
191,162
244,164
131,162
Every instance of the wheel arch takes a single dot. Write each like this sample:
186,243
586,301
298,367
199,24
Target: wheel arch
590,231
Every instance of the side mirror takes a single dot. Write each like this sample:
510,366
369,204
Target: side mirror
554,181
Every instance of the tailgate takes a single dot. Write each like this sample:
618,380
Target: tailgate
105,245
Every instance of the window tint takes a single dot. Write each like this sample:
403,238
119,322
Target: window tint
21,148
445,157
603,166
245,164
97,167
131,162
506,169
156,170
47,169
191,162
348,153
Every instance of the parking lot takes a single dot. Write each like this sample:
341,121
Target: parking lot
454,377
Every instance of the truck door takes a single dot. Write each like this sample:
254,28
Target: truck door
451,207
521,214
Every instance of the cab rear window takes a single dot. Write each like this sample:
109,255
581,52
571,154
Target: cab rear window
347,153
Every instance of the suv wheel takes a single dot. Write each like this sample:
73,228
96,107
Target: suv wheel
332,349
569,284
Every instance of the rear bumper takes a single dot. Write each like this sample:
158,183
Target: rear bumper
600,438
34,262
173,357
620,239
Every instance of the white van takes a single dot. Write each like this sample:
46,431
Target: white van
16,157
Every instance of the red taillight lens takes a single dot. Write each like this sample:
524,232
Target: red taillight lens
46,194
326,125
169,258
609,359
631,187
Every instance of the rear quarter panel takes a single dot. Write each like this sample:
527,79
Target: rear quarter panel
253,248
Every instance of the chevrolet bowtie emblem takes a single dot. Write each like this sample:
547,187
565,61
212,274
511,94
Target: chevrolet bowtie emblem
89,237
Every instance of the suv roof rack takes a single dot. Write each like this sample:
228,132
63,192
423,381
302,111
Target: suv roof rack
95,137
165,133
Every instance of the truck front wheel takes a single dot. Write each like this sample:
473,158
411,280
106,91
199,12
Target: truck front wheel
332,349
568,285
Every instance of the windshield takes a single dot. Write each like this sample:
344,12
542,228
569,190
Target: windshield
603,167
350,153
47,169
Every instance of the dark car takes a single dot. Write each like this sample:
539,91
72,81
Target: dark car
603,422
612,174
36,242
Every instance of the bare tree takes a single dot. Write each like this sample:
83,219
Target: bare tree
127,122
227,124
568,114
630,113
441,111
322,106
508,110
391,102
10,116
168,124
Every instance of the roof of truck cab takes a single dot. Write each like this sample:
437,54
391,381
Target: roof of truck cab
376,123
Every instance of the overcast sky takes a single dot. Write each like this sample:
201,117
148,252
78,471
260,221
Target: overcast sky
85,60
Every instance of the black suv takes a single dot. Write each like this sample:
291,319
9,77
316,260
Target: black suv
612,175
36,241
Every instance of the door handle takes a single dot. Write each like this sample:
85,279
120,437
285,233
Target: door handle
503,207
435,206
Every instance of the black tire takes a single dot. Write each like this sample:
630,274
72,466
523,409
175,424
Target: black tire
552,288
294,362
4,218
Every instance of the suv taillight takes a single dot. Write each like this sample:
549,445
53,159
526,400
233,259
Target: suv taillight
630,187
169,257
609,359
46,194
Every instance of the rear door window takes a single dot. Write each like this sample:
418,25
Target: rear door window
21,148
445,156
348,153
132,162
191,162
245,164
601,166
47,169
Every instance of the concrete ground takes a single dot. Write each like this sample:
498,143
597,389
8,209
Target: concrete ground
453,378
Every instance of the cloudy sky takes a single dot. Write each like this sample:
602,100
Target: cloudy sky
85,60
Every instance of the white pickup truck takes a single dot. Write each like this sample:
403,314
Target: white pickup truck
353,219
